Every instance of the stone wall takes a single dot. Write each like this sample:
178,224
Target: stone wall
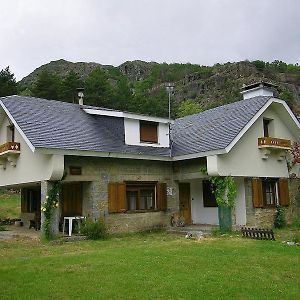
98,172
264,217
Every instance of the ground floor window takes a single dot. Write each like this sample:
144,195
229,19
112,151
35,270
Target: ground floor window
209,199
140,196
136,196
270,192
30,200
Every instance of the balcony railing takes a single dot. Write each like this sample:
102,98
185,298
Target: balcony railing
274,143
10,148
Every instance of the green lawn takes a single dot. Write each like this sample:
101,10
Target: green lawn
150,266
10,206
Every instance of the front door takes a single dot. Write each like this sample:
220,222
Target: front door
185,202
72,200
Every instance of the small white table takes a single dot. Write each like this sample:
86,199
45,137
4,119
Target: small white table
71,219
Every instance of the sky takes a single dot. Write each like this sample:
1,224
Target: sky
205,32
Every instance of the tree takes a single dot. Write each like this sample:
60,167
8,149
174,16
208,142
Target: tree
98,90
188,107
69,85
47,86
123,94
8,84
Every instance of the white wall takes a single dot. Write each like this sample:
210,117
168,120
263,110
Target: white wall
244,159
30,167
201,214
209,215
132,134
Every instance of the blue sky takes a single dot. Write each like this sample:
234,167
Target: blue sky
34,32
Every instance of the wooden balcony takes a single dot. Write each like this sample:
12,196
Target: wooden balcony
10,148
274,143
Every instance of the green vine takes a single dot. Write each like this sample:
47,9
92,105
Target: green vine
51,203
224,188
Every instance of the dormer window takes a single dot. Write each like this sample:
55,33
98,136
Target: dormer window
148,132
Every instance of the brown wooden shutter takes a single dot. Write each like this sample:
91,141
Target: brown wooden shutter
284,197
161,196
116,197
148,132
257,193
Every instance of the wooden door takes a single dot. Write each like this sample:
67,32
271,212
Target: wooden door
72,200
185,202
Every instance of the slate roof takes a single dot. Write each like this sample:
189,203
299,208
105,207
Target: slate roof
213,129
61,125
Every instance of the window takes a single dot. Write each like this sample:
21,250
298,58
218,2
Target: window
30,200
148,132
136,196
140,196
209,199
270,195
11,133
266,123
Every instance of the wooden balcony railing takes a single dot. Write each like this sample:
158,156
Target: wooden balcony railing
274,143
10,148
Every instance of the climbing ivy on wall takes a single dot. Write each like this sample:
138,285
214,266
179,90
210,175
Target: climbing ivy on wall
223,187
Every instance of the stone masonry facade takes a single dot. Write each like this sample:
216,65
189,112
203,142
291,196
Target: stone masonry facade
264,217
97,173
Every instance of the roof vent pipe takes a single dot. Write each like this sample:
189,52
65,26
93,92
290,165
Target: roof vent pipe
80,95
258,89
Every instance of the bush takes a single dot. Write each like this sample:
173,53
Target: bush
279,221
94,230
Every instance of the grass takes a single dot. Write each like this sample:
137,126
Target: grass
10,206
150,266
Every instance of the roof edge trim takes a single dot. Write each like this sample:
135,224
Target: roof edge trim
100,154
121,114
32,148
198,155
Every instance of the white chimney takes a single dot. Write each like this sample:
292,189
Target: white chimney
258,89
80,95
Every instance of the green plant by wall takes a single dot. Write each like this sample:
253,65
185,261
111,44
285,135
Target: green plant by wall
279,220
51,203
94,230
223,187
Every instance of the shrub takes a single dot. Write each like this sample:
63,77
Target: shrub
279,220
296,238
94,230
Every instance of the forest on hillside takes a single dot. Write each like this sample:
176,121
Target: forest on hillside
140,87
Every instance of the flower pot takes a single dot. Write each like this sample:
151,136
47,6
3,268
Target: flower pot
225,221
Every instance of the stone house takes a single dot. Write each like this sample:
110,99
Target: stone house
136,170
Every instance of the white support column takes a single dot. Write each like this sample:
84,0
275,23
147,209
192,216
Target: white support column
54,227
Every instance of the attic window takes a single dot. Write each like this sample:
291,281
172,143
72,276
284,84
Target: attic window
267,124
11,133
148,132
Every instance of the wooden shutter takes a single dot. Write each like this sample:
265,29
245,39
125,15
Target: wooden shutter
284,197
148,132
161,196
257,193
116,197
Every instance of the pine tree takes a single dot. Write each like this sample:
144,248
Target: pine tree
69,85
48,86
8,84
98,90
